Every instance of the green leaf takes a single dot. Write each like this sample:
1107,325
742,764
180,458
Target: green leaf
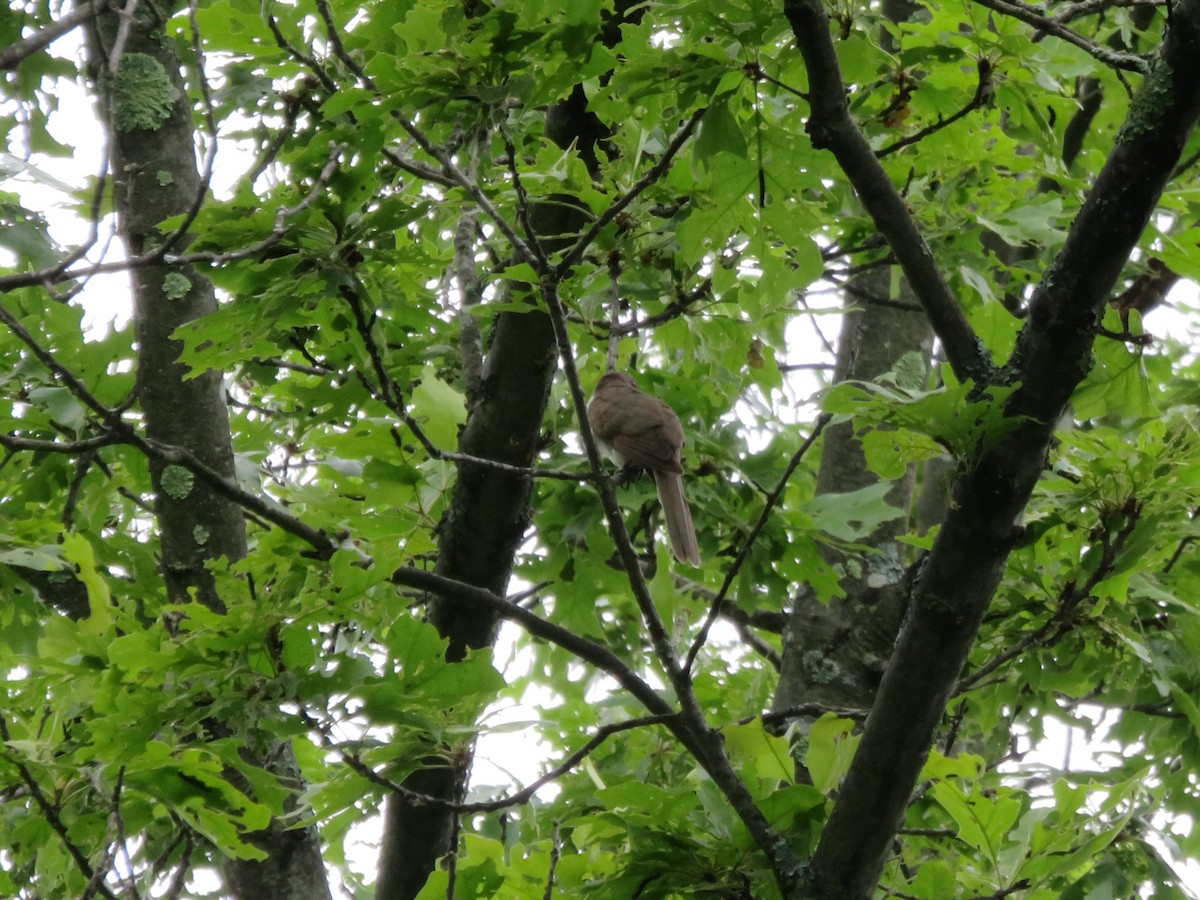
852,515
983,822
61,405
77,549
48,558
719,132
831,746
439,408
765,755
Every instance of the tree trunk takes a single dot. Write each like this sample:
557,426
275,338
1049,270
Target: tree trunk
489,512
835,653
155,177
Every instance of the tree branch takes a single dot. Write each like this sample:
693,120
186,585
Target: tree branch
51,813
983,94
1056,627
653,174
747,545
589,651
518,798
831,127
14,54
1030,16
16,442
693,731
63,271
968,557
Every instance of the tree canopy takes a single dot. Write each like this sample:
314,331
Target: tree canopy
276,548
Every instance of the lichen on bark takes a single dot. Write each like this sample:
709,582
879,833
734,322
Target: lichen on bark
142,93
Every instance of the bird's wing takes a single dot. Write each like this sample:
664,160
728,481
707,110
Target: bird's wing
652,446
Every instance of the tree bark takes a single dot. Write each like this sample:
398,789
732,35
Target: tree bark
481,530
834,653
1053,354
489,512
155,177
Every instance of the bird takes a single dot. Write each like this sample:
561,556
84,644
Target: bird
638,430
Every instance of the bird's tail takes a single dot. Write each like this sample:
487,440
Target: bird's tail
679,517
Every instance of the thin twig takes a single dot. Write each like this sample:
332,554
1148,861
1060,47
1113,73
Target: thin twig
319,371
180,879
122,836
522,248
555,853
70,448
1056,627
14,54
73,384
309,62
125,25
807,711
519,798
983,95
653,175
614,314
1031,16
60,272
748,544
51,814
1089,7
122,431
210,124
437,453
801,367
587,650
742,621
450,170
523,205
755,72
389,393
260,506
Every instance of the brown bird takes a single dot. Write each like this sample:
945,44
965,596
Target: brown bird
637,430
